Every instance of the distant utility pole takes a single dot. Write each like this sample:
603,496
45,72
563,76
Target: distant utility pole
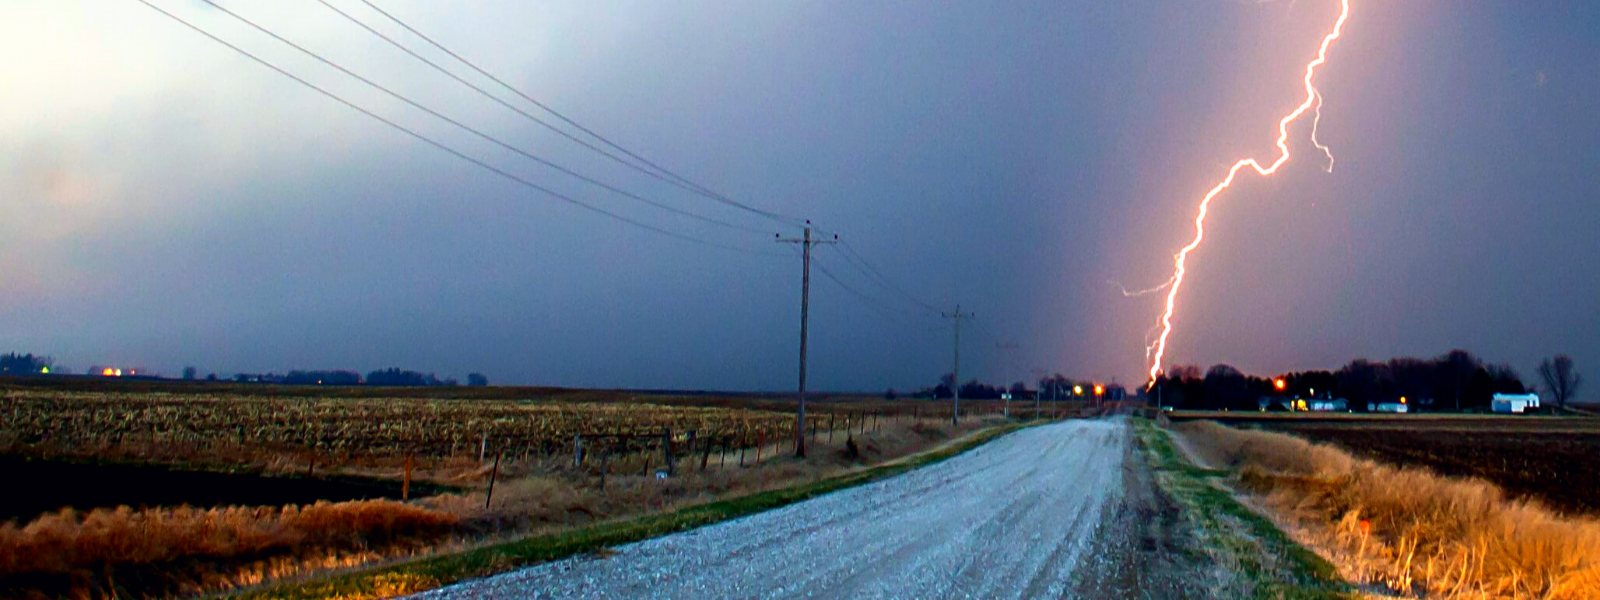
805,319
955,387
1038,395
1008,350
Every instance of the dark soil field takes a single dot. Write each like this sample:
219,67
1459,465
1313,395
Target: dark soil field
1554,461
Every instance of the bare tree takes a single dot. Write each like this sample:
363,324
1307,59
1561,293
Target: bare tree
1560,378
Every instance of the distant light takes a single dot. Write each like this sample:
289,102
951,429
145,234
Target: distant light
1402,399
44,370
1099,389
1280,384
110,372
1077,390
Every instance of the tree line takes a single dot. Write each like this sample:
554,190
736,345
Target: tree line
1457,380
14,363
1056,386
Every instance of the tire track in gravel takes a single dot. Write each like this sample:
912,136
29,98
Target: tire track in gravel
1009,519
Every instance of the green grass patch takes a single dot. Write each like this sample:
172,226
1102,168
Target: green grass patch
1270,564
437,571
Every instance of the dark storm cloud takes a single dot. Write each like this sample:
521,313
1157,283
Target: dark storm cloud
1009,158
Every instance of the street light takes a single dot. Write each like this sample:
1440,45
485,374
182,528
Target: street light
1077,390
1280,384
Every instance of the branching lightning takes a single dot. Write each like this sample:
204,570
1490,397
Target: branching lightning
1313,104
1126,293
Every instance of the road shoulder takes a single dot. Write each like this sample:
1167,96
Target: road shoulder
1244,554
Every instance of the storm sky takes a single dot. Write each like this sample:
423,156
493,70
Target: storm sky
165,202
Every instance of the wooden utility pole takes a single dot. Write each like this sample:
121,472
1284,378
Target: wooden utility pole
955,386
806,243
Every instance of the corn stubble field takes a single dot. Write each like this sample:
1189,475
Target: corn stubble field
1555,461
555,463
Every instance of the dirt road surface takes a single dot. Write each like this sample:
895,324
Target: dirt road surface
1041,513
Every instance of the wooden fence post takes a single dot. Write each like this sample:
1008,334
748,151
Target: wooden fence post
666,451
705,459
492,475
405,484
577,449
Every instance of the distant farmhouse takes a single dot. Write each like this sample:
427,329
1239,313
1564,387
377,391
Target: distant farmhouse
1298,404
1514,404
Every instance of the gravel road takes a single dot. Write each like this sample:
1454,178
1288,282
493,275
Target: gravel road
1013,518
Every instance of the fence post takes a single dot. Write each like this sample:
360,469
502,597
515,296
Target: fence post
405,484
577,449
666,450
830,428
705,459
492,475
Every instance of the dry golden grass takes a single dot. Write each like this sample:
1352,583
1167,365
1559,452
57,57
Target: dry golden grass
1409,530
174,552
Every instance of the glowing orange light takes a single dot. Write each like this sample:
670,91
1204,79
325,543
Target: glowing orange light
1099,389
1402,399
1280,384
1077,390
110,372
1313,101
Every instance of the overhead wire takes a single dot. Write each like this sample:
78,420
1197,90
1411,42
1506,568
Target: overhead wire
476,132
865,267
871,302
655,170
439,145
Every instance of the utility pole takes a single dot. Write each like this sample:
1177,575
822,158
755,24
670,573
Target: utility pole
955,388
1008,350
805,320
1038,394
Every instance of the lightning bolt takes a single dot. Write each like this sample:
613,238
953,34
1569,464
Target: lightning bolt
1312,103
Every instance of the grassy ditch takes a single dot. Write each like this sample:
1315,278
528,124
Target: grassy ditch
1268,564
437,571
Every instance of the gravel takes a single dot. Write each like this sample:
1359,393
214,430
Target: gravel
1010,519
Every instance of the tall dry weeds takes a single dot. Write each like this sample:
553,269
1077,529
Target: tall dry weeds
1408,529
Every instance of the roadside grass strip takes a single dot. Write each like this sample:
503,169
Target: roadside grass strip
438,571
1269,564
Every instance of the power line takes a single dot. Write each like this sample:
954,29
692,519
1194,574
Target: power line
660,172
872,302
441,146
861,264
494,140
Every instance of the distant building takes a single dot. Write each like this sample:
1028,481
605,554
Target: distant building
1298,404
1389,407
1514,404
1327,405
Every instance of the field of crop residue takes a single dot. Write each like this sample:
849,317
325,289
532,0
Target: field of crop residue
1555,461
174,492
